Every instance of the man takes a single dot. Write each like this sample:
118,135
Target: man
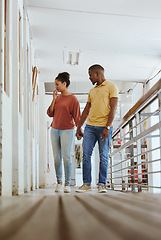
100,110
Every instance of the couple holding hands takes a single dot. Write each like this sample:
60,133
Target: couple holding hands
99,112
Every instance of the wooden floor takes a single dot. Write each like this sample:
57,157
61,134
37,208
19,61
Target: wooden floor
45,215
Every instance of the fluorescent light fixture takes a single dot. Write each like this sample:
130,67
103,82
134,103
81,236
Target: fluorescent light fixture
71,57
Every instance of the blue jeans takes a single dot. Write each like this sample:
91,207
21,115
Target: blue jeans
92,134
62,141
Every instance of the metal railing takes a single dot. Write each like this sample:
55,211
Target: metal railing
135,153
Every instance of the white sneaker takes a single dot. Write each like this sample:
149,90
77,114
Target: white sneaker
67,189
59,188
102,189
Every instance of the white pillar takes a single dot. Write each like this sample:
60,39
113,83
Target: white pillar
25,125
1,75
42,136
73,177
15,90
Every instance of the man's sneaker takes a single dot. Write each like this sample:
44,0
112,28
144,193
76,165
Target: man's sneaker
84,188
102,189
67,189
59,188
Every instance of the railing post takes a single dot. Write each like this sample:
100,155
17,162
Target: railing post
138,144
159,103
131,155
111,162
122,158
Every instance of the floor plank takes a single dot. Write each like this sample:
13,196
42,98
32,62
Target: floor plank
43,214
152,216
124,225
82,224
43,224
11,220
144,202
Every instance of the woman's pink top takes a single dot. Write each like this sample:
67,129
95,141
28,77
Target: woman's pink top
66,112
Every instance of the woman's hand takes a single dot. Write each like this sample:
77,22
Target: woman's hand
55,94
79,133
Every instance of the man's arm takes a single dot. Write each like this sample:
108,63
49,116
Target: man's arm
84,116
113,106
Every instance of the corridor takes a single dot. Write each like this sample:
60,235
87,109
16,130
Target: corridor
40,39
44,214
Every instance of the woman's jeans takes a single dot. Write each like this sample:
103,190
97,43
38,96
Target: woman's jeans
62,141
91,135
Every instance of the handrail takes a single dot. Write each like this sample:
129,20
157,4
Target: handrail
135,152
142,101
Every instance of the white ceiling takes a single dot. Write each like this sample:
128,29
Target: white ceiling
124,36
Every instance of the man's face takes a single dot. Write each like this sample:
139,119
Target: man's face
93,76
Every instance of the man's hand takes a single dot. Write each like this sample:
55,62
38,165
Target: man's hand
79,133
105,133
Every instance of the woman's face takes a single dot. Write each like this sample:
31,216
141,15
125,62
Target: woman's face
60,87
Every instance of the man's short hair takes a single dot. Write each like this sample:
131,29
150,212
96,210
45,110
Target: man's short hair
96,67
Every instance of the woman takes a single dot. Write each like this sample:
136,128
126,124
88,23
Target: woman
65,111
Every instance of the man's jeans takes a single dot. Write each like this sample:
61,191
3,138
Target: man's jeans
92,134
62,141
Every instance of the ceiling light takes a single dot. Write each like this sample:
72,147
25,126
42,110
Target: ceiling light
71,57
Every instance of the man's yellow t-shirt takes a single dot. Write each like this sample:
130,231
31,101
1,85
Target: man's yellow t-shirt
99,97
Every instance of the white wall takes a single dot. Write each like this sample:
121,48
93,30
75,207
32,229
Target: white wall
1,78
7,118
137,93
20,139
50,177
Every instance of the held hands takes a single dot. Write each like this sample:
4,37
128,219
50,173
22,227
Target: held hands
79,133
55,92
104,134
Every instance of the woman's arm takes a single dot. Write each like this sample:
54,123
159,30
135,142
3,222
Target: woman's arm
84,116
50,111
